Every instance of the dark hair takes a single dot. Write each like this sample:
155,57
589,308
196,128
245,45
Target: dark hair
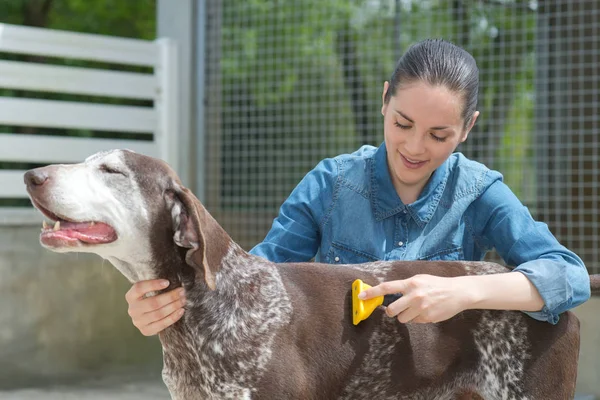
439,62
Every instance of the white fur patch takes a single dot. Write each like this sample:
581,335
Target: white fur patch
502,344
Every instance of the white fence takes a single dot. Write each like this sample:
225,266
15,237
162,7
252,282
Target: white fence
159,86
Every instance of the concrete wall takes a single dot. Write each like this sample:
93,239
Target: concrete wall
63,316
588,378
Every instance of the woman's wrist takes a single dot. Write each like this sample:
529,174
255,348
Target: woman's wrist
469,292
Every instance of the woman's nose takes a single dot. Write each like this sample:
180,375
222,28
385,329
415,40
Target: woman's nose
414,143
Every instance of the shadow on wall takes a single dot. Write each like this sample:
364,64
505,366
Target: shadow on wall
63,317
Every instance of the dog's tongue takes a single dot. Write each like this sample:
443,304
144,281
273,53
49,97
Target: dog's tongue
71,232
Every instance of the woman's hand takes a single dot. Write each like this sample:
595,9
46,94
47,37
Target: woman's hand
425,298
153,314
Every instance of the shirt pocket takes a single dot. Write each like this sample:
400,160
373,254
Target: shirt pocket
451,254
344,254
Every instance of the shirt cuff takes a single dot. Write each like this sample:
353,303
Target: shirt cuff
545,315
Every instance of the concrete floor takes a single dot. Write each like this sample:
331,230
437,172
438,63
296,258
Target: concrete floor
115,388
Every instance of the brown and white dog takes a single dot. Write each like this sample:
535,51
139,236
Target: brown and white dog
258,330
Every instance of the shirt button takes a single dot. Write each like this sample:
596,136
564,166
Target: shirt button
337,259
400,243
404,211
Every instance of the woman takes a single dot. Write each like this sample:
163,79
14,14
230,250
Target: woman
414,198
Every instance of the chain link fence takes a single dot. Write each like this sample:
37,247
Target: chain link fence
289,83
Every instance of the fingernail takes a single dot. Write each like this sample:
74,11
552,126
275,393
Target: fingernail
164,283
362,295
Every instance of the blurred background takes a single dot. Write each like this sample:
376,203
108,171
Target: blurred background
242,98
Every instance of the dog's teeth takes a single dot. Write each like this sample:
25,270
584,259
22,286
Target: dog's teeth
44,224
57,225
92,223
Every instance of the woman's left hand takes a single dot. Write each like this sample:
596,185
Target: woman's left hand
425,298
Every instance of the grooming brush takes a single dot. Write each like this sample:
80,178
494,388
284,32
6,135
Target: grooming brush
361,309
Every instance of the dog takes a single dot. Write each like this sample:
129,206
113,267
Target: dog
254,329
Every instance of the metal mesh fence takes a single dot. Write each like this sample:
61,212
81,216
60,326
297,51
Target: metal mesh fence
291,82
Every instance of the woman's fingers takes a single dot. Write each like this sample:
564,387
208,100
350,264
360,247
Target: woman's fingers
142,288
153,314
391,287
154,322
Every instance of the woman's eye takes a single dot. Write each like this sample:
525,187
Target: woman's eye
402,126
437,138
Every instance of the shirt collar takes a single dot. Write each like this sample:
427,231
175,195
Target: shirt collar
385,202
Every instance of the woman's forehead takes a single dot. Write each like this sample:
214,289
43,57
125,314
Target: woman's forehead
425,102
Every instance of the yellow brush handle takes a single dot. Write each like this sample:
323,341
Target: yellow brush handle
361,309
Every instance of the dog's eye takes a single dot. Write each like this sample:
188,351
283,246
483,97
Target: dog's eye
110,170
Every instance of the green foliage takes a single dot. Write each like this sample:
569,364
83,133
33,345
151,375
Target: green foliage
134,19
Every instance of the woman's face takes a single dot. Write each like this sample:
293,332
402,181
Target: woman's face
422,127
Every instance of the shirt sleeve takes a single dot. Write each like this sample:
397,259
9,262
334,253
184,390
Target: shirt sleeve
558,274
295,234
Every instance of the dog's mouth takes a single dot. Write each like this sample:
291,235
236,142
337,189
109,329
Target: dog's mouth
64,232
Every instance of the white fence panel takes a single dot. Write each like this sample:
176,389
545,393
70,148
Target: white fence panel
12,184
60,149
72,80
53,43
76,115
158,87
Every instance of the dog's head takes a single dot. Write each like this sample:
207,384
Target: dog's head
126,207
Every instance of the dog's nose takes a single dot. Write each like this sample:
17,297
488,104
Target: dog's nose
36,177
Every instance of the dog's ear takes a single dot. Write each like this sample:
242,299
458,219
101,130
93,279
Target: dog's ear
188,215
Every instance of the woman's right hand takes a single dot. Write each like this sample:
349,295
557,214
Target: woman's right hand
153,314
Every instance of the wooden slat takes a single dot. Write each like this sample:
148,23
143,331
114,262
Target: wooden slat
66,114
55,149
52,78
55,43
11,182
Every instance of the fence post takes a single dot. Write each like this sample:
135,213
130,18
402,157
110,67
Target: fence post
167,133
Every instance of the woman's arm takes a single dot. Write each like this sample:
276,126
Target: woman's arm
557,273
295,233
428,298
509,291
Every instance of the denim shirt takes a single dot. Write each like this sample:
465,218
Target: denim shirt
347,211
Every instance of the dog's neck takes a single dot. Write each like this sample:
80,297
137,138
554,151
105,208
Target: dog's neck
227,332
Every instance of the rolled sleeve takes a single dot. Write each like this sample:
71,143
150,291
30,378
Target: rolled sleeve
562,286
557,273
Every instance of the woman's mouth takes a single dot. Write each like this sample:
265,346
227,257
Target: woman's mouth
411,163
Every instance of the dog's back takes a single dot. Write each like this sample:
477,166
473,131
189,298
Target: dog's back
491,354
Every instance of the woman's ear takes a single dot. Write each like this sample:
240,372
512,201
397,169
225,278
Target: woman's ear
470,126
386,86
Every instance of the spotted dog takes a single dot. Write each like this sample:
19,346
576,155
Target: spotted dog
258,330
